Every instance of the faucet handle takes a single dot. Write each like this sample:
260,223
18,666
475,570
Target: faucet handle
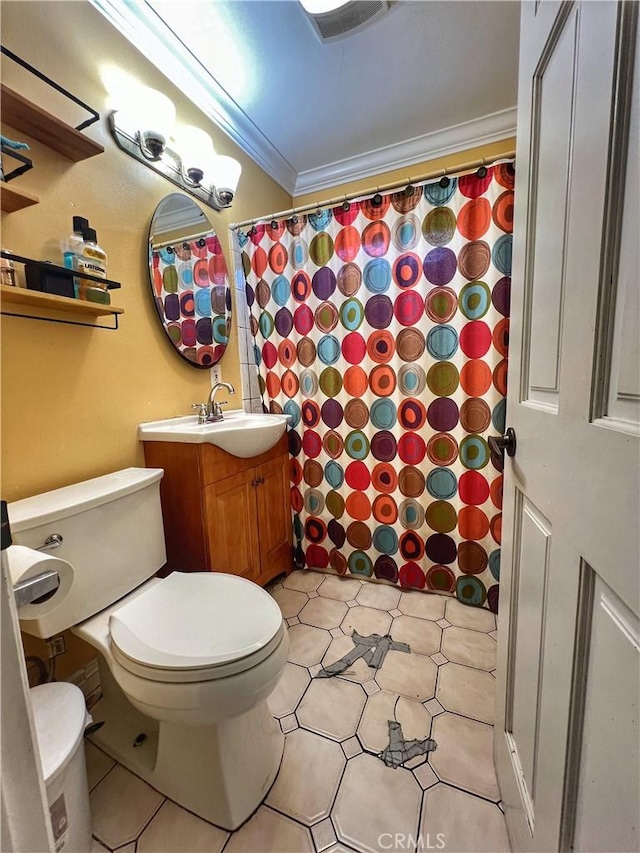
202,411
217,409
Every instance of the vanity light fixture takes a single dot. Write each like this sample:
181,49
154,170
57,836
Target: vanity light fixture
144,131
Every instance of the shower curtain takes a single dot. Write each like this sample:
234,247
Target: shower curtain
381,327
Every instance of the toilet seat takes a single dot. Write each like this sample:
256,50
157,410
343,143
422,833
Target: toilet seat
197,626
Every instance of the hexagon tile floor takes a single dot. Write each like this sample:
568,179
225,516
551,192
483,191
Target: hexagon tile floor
333,793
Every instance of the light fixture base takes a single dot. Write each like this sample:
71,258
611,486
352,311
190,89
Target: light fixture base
152,144
195,175
223,197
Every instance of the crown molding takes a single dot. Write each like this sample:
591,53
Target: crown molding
140,25
441,143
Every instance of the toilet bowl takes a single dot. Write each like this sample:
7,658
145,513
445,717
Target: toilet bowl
187,662
200,653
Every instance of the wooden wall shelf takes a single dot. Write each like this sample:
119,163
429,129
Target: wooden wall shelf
23,115
12,199
33,299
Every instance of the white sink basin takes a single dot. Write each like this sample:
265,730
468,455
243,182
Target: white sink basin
240,434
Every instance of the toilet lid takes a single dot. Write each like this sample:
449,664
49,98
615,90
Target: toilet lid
196,621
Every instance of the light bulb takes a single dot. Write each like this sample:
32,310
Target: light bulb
155,117
196,152
318,7
224,178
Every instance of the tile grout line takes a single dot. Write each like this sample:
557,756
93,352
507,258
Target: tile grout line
296,820
467,791
137,838
102,778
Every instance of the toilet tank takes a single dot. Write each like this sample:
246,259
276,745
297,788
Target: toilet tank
113,537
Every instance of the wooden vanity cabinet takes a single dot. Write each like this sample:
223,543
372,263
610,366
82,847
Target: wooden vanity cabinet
222,513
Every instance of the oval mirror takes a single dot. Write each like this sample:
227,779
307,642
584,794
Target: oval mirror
189,281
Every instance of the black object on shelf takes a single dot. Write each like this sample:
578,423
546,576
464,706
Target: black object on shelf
59,272
49,281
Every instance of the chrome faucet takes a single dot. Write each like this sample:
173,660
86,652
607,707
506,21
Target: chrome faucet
214,412
210,412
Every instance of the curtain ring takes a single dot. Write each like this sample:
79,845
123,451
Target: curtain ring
444,181
376,201
274,225
482,171
409,189
346,206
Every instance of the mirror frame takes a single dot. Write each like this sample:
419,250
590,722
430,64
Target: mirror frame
207,243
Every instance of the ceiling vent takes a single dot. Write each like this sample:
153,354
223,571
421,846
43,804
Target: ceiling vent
344,20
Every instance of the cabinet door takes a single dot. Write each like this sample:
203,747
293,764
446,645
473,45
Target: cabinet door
274,517
232,525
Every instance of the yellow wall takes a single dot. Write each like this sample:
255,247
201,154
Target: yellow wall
72,397
451,162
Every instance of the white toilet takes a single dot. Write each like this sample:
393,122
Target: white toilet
190,659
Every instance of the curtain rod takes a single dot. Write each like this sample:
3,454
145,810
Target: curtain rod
331,202
181,240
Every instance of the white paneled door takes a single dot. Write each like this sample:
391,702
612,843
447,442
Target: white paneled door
567,738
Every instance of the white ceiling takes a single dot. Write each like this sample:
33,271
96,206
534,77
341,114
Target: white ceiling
428,78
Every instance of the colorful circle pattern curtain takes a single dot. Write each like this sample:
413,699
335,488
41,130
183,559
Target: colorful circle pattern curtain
381,327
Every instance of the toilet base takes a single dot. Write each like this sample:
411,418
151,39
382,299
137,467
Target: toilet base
221,773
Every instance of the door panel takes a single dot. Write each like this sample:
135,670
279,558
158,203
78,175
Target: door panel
610,686
533,534
617,378
232,533
551,149
274,514
571,493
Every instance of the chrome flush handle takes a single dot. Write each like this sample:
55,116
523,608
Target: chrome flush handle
51,542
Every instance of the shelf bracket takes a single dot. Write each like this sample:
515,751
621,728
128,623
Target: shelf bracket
95,115
19,170
113,328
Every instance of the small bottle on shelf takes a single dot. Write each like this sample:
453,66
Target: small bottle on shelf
72,244
90,258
